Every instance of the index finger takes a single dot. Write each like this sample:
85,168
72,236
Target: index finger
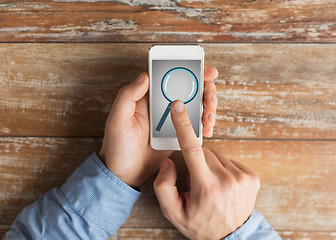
210,73
189,143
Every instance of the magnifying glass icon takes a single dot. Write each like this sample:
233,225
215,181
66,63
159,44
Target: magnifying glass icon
177,84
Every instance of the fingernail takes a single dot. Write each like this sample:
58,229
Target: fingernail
140,78
214,98
178,106
164,166
212,118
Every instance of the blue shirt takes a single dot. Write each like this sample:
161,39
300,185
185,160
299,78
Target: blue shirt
93,204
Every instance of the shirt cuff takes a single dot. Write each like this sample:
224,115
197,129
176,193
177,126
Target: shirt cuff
99,196
256,227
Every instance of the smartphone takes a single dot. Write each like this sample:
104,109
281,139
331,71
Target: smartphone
176,72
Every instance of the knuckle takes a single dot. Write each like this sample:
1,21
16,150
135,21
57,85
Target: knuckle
124,90
241,176
127,90
232,183
255,180
158,185
211,190
155,184
194,150
185,123
211,86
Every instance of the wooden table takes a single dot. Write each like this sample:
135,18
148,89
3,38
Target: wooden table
62,63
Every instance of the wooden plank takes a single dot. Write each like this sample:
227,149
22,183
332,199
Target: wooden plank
275,91
5,228
264,91
150,234
297,183
56,90
167,233
288,235
297,178
168,21
32,166
160,233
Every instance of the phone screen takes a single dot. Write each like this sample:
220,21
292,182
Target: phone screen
175,80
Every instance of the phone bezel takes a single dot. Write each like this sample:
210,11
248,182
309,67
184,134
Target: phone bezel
174,52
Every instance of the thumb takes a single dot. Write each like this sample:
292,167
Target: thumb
124,105
166,191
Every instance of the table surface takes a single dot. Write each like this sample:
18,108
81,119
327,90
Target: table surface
62,63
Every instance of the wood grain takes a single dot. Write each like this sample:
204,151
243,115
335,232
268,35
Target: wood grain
297,177
281,91
168,21
32,166
275,91
167,234
289,235
5,228
278,99
152,234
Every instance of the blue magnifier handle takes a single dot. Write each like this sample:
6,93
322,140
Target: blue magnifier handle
163,118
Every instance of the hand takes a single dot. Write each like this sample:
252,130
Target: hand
126,150
222,192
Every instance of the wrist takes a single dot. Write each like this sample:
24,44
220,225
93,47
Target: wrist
250,222
235,228
126,180
101,156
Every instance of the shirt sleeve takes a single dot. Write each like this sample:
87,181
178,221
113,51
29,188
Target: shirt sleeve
256,227
92,204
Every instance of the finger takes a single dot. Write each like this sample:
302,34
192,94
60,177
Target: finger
189,143
227,163
166,192
141,107
213,162
242,167
209,111
125,102
188,181
210,96
208,118
207,131
210,73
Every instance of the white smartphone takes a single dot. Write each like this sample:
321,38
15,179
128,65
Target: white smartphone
176,72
